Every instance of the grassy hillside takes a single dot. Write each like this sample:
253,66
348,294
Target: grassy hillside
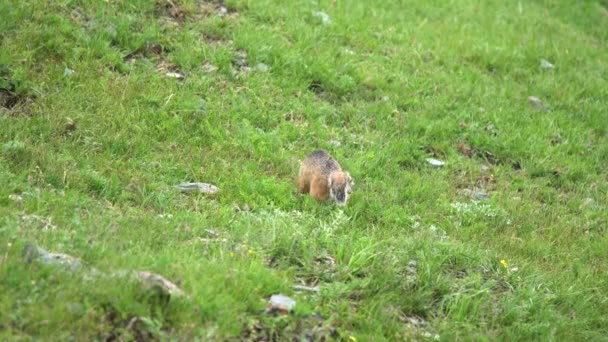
105,106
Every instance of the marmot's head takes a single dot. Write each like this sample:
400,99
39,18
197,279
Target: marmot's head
340,186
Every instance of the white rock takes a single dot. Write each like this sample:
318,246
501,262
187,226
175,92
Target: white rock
435,162
545,64
198,187
175,75
324,17
261,67
280,303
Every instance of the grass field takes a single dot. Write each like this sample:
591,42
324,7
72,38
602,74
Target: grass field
105,106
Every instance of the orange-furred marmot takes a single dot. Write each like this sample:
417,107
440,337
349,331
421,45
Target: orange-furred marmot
322,177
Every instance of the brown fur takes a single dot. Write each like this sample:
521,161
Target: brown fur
322,177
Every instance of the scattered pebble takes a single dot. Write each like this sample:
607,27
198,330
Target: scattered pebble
68,72
412,266
261,67
169,216
240,59
416,321
222,11
475,194
213,232
315,289
536,102
481,196
556,139
44,223
18,199
323,16
209,68
435,162
68,262
197,187
587,202
151,280
280,304
545,64
70,124
175,75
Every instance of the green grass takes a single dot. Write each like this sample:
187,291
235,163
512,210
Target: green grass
97,151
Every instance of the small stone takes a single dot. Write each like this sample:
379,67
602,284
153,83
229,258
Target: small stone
280,304
151,280
68,262
212,232
176,75
76,309
306,288
412,266
545,64
435,162
209,68
335,143
70,125
475,194
416,321
198,187
587,202
261,67
323,16
481,196
68,72
222,11
536,102
18,199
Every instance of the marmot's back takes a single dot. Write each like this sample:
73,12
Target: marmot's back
320,163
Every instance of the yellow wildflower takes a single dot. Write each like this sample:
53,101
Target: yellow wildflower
504,263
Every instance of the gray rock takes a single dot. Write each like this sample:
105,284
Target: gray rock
154,281
175,75
475,194
280,304
315,289
68,262
68,71
209,68
205,188
536,102
261,67
545,64
323,16
481,196
149,281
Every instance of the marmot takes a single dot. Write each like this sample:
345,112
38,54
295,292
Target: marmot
322,177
